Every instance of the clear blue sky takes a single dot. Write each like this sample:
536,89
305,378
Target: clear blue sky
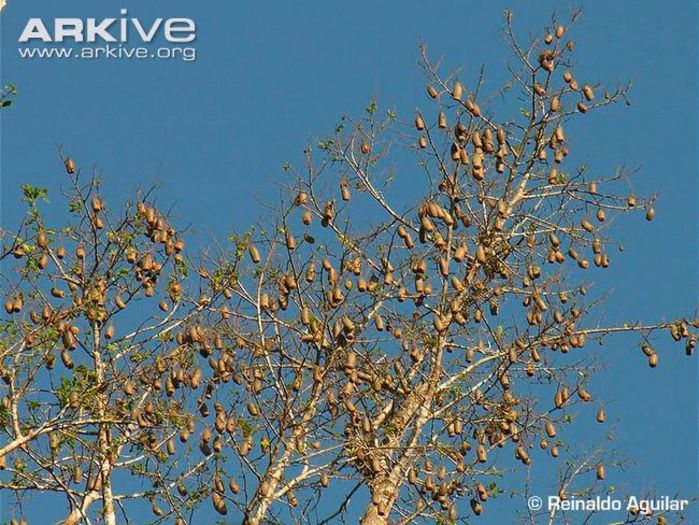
270,76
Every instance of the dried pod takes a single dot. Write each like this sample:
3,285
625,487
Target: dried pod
600,472
70,165
583,394
254,254
457,91
588,92
555,103
601,415
653,360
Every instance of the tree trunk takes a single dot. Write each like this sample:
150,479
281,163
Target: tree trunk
383,497
104,437
411,416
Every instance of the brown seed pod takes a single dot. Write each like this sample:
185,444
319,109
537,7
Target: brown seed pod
301,198
432,92
442,120
583,394
66,359
650,213
344,189
653,360
601,472
96,203
559,133
587,225
550,429
254,254
560,31
19,252
422,142
453,514
463,156
157,510
290,241
365,148
558,399
17,305
419,122
70,165
601,415
119,302
476,507
555,103
647,349
252,409
310,273
219,503
307,217
477,159
480,254
42,241
501,136
43,261
473,108
457,91
329,211
522,454
548,38
588,92
196,378
455,148
582,108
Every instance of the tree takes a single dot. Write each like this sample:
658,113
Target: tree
116,402
387,346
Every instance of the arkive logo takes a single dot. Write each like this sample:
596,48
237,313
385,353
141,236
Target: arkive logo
122,30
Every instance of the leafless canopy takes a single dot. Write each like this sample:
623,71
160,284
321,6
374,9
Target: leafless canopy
414,302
